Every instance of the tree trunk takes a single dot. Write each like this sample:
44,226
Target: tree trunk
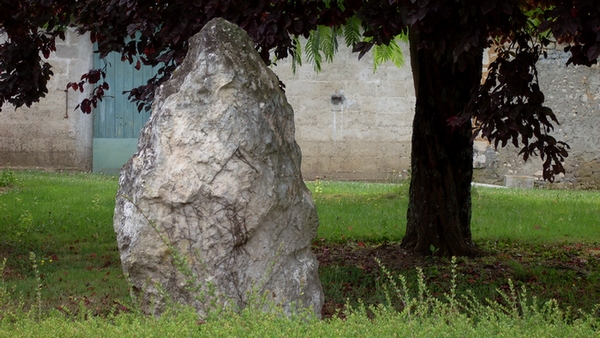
439,210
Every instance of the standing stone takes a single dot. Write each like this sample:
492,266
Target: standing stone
213,206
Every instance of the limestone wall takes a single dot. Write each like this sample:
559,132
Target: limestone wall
352,123
50,134
573,93
367,134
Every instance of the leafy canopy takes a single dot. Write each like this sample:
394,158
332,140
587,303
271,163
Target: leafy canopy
507,107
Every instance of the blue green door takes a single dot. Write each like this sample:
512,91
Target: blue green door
117,122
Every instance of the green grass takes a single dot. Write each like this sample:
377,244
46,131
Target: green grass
536,216
545,240
66,220
358,211
376,212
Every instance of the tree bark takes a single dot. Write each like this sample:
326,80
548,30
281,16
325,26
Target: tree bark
439,211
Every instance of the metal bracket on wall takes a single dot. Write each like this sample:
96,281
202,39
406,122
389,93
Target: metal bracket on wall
337,99
66,104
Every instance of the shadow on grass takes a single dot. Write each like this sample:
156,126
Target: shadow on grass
569,273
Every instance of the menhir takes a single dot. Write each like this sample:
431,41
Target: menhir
212,207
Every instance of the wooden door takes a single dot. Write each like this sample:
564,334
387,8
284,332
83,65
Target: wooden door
117,122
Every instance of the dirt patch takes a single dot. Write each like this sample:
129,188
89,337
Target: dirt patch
569,273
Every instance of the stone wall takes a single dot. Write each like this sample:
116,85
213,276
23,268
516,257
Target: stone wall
51,134
573,93
352,123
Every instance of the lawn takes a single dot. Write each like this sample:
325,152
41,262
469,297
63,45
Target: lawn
545,240
66,221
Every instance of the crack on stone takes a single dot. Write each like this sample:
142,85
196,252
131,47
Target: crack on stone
238,153
237,227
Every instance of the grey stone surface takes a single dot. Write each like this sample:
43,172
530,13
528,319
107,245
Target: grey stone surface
365,136
573,92
216,186
52,134
519,182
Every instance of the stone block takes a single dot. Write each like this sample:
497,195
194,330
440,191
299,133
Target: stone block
519,181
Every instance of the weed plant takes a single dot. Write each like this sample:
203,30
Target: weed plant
7,178
517,315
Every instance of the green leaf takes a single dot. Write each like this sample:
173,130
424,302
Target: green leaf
391,52
352,31
328,42
312,50
296,55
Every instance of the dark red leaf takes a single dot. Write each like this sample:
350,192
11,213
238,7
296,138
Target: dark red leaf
571,26
487,6
593,52
85,106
